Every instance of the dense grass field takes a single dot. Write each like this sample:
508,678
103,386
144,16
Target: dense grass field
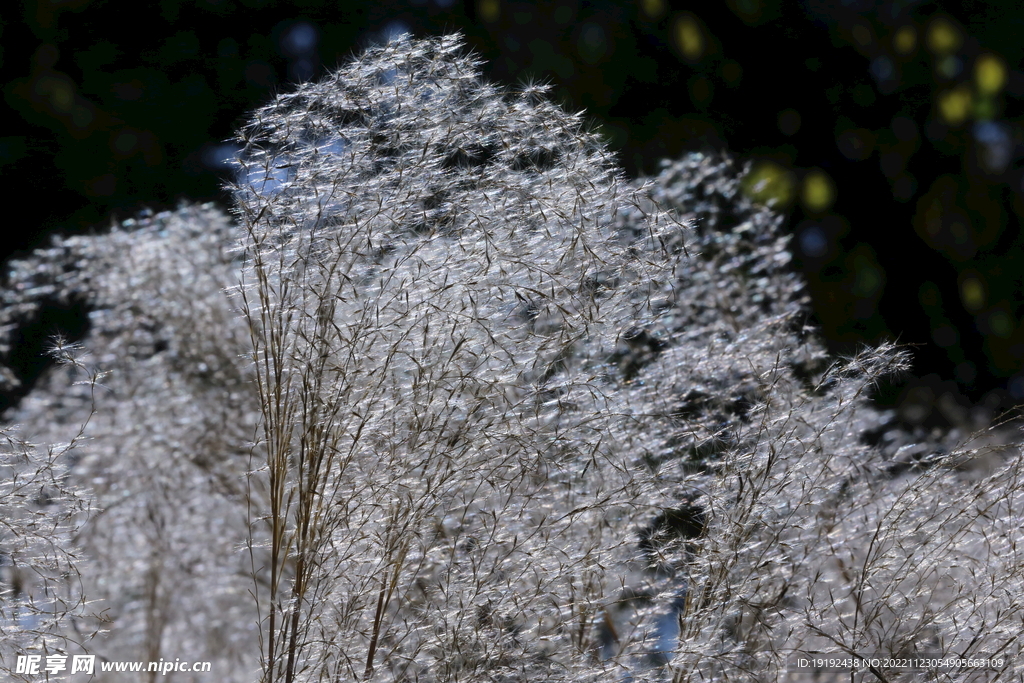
447,399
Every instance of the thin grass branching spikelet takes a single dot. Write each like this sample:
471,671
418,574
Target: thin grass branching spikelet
520,424
479,411
816,543
40,511
169,414
435,279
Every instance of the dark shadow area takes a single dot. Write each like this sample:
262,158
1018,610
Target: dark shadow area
33,338
889,134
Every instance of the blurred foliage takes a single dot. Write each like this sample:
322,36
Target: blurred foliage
890,131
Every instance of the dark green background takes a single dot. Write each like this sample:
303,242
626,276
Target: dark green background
119,106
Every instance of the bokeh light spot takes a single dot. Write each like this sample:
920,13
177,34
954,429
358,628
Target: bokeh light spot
769,183
653,9
989,74
972,292
1001,324
299,40
996,145
489,10
689,37
955,105
905,40
949,66
813,242
819,192
943,36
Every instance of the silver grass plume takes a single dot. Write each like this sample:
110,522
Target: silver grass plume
481,410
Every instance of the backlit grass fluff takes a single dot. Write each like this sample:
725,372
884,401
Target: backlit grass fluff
436,275
450,400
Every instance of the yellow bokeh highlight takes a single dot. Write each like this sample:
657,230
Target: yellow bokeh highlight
653,9
689,37
989,74
489,10
905,40
943,36
955,105
769,183
973,294
819,192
